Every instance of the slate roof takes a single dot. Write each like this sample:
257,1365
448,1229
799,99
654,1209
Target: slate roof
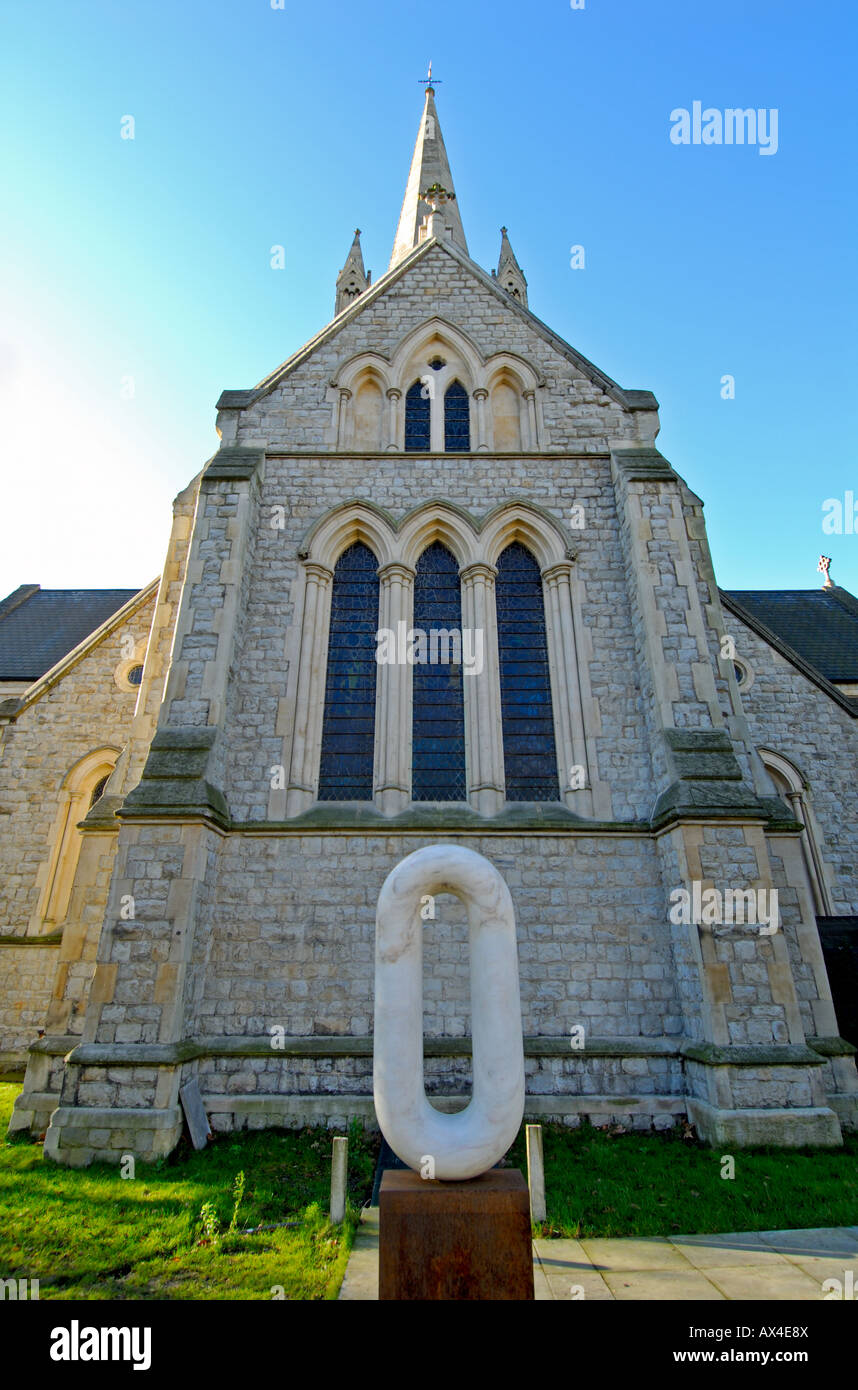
38,627
821,625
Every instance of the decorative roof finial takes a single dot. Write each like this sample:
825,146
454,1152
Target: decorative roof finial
509,273
823,567
353,279
427,81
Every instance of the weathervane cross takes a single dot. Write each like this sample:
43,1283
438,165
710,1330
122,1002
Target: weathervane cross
427,81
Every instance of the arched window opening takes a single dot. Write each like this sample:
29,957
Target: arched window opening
98,791
530,759
506,418
418,421
81,788
348,726
438,748
790,786
457,419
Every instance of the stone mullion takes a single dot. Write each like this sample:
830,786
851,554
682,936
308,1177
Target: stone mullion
566,689
394,395
393,695
310,697
481,396
484,743
530,398
436,418
343,399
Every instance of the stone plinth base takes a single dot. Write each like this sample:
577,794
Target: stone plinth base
845,1108
79,1135
814,1127
455,1240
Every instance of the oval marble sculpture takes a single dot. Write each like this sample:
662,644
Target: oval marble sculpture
470,1142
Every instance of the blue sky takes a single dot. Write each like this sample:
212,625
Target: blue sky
143,265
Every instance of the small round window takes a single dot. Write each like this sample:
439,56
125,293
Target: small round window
128,675
744,675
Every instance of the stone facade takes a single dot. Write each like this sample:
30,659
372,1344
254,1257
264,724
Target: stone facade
236,944
59,741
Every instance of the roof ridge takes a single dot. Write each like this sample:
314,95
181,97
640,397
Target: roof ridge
846,600
16,598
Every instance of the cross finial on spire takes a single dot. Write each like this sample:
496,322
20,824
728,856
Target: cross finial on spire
429,173
823,567
427,80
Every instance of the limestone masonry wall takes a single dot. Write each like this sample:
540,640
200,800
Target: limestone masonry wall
577,413
83,711
790,715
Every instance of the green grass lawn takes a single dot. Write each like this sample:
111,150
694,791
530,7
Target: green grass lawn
88,1233
603,1183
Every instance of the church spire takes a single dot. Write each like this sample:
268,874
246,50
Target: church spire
352,279
430,172
510,275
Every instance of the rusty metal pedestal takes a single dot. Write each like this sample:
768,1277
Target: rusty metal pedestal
455,1240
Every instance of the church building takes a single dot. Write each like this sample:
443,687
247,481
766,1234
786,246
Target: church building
436,586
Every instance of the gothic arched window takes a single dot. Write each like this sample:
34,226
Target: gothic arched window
529,753
438,750
98,790
418,421
348,727
457,419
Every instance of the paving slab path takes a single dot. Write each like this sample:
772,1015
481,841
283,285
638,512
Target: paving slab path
768,1266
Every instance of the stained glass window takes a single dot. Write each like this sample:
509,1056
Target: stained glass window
529,754
348,727
457,419
439,714
418,429
98,790
135,675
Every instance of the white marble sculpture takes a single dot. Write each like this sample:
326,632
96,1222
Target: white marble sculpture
470,1142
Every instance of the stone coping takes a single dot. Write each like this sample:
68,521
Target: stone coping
832,1047
172,1054
78,1117
53,938
752,1055
57,1045
545,818
344,820
190,1049
535,1106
